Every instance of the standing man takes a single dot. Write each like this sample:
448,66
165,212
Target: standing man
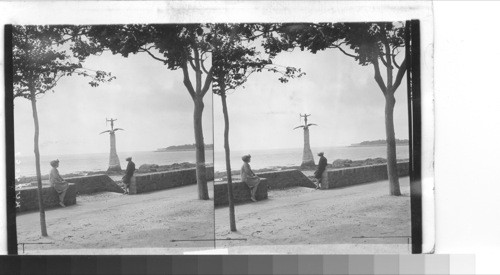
129,173
318,174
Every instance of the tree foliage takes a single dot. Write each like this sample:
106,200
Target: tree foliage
366,40
367,43
177,46
235,56
41,57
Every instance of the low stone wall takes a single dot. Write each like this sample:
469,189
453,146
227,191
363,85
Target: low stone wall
29,197
93,184
163,180
241,192
359,175
286,178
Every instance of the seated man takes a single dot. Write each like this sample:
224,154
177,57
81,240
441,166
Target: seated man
248,177
56,181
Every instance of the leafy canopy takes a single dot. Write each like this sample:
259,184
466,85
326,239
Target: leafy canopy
41,58
235,57
175,43
365,42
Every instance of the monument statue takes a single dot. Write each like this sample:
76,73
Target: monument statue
114,162
307,156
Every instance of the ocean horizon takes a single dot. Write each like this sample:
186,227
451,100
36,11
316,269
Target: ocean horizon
93,162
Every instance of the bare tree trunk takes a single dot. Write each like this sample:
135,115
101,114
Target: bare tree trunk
201,173
114,161
392,169
197,96
232,219
307,156
390,101
43,225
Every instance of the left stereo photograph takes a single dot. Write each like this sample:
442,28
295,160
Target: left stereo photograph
113,144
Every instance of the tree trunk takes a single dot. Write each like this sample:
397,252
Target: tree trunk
232,219
114,161
307,156
43,225
201,173
392,169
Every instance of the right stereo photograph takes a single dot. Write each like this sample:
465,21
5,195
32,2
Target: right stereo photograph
317,138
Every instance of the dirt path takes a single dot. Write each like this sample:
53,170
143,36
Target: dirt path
168,221
300,216
297,220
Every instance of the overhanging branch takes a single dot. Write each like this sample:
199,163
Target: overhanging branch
378,77
208,81
192,64
394,58
203,66
388,59
342,50
197,71
381,55
187,81
400,75
153,56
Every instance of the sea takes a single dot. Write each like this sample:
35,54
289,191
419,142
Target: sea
78,163
293,157
93,162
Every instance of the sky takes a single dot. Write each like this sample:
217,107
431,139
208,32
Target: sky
150,102
341,96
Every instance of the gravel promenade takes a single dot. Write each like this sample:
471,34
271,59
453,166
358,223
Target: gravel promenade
170,221
356,219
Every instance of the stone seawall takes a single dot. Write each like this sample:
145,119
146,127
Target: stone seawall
93,184
286,178
241,192
29,197
358,175
164,180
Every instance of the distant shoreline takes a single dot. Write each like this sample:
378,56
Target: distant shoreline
380,142
183,148
377,145
173,150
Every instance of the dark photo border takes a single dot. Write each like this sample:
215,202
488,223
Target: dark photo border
10,166
415,132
